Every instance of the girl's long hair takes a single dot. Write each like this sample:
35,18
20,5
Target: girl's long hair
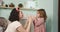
42,13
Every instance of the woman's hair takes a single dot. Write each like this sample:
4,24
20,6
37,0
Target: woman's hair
42,13
14,15
3,23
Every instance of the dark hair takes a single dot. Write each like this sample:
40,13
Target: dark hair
3,23
14,15
20,5
42,13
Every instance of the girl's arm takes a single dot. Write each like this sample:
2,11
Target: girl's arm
40,22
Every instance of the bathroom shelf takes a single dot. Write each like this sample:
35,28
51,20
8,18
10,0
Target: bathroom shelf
21,8
6,7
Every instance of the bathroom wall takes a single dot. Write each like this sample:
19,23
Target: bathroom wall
48,5
55,16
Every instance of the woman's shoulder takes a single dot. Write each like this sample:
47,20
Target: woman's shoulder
15,24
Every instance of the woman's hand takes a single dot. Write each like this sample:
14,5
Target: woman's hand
30,19
28,23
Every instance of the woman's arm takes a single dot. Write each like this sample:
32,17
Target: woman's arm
26,24
21,29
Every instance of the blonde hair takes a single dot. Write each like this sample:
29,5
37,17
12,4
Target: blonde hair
42,13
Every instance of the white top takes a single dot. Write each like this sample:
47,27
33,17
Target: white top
12,26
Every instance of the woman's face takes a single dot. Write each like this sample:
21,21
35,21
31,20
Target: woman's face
20,15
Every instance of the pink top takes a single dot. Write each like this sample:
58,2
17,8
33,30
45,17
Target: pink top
39,25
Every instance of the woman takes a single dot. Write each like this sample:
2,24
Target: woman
16,26
14,15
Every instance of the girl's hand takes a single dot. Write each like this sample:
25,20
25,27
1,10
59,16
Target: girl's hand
33,17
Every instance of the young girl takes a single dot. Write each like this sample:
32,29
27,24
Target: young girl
39,21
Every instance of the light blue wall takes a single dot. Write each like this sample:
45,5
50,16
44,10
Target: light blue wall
55,16
48,5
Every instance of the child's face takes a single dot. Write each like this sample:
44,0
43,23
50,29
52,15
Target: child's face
38,14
